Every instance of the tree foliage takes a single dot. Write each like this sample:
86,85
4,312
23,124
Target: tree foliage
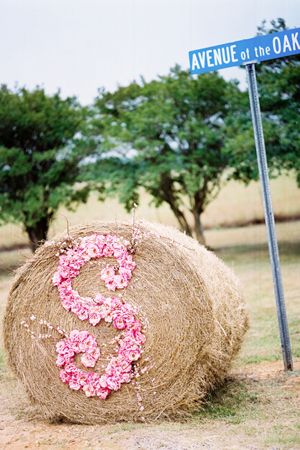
39,161
279,90
167,136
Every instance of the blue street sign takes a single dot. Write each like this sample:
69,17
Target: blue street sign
259,48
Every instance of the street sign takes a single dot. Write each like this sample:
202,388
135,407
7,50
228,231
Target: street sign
260,48
248,52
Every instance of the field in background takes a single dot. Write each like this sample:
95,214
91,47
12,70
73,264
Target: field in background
258,407
235,205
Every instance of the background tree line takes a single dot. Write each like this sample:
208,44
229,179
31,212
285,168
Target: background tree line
177,137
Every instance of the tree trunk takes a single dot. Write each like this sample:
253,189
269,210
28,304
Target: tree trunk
198,228
183,223
197,209
168,195
38,232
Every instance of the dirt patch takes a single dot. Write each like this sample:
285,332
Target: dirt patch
293,384
247,430
262,371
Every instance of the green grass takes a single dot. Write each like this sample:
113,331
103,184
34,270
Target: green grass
256,405
230,402
288,437
248,256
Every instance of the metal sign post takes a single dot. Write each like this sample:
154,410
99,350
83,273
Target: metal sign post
245,52
269,217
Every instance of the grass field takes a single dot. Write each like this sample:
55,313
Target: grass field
258,406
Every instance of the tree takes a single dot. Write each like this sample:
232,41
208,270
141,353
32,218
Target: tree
280,98
279,89
39,161
167,136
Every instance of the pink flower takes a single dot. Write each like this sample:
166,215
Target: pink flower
120,282
82,312
92,250
111,309
99,299
111,284
64,376
125,273
89,390
107,251
113,384
102,381
107,272
102,393
56,279
74,384
88,360
125,378
60,361
134,355
119,323
94,318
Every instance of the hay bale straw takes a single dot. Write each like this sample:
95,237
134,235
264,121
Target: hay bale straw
191,308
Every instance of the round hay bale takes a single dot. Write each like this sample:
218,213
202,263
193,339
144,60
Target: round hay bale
187,300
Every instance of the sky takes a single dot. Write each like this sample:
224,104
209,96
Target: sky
79,46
